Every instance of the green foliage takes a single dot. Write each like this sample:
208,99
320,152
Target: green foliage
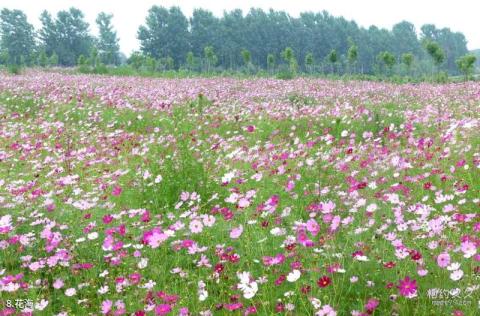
435,51
309,62
190,61
210,58
107,43
42,59
332,59
388,60
136,60
270,62
67,36
289,56
53,60
247,56
466,65
165,33
17,37
14,69
352,54
82,64
407,60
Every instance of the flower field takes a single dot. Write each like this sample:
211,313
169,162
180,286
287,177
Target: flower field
137,196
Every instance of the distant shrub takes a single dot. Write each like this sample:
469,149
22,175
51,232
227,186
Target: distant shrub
14,69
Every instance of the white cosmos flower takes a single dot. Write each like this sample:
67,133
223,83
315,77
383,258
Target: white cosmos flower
249,290
456,275
453,266
92,236
70,292
293,276
40,306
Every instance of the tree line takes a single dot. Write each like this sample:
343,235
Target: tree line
271,41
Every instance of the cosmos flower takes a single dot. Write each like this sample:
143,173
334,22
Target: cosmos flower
324,281
236,232
407,287
443,260
293,276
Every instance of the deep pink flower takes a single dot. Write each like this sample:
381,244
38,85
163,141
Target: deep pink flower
162,309
116,191
407,286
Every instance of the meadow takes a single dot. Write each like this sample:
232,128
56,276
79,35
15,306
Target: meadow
221,196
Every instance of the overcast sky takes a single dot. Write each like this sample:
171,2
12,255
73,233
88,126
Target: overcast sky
459,15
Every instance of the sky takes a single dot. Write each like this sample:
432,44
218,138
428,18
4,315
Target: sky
459,15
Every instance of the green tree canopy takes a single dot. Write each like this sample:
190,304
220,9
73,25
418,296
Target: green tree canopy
17,36
107,44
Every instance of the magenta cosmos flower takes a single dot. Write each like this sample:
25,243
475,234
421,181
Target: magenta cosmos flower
407,286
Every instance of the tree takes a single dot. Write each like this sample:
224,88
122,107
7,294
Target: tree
94,59
407,60
388,60
404,39
204,31
53,60
48,33
17,38
136,60
246,56
309,62
107,44
435,52
453,44
352,56
165,33
190,60
67,36
270,62
466,64
289,56
42,59
332,59
210,57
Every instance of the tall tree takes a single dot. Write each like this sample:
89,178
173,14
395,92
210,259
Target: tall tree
67,36
107,44
204,31
210,58
352,56
17,36
332,59
309,62
246,56
407,60
436,52
165,34
48,33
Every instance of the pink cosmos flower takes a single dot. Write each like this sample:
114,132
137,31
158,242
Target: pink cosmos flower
58,284
236,232
313,227
372,304
116,191
196,226
407,287
106,307
443,260
326,310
